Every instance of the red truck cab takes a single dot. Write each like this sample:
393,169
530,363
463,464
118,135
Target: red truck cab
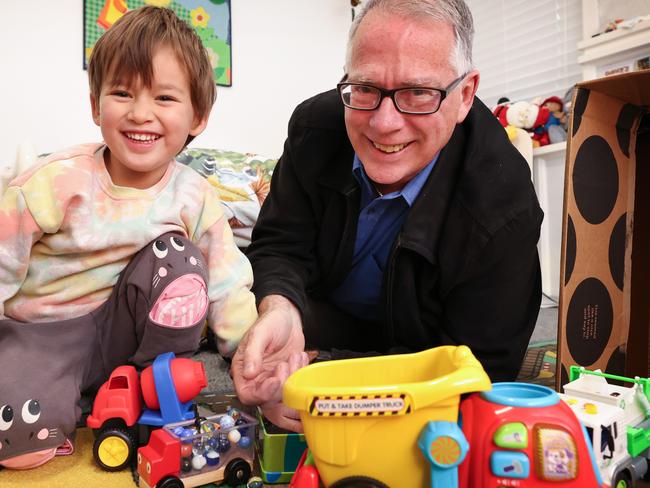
119,397
158,459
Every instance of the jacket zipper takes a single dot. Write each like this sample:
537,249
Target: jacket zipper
389,286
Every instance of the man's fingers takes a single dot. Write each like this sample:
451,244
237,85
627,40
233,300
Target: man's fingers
282,416
291,424
269,390
297,360
281,374
256,342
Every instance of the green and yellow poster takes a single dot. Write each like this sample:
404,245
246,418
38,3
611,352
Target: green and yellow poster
209,18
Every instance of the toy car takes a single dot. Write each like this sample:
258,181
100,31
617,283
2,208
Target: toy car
194,453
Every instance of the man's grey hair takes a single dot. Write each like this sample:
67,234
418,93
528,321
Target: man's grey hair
452,12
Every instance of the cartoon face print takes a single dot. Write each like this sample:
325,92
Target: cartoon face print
179,282
557,460
23,431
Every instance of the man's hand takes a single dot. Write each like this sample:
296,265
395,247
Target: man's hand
282,416
271,350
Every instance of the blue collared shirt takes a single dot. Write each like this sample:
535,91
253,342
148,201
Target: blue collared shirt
380,220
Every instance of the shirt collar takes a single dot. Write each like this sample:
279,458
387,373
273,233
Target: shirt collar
409,193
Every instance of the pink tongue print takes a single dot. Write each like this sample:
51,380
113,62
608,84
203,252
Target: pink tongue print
29,460
182,303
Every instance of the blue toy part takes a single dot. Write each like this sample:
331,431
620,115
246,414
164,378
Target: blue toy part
171,408
521,395
444,446
510,464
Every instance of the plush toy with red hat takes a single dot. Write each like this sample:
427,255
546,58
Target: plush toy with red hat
555,126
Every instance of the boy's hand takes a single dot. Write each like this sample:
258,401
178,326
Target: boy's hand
271,350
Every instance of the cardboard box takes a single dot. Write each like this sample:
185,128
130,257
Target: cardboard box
604,310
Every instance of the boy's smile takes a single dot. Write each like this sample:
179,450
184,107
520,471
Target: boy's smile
145,127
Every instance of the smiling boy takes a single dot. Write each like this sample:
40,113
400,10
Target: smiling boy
73,222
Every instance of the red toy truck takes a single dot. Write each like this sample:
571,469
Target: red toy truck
186,454
119,418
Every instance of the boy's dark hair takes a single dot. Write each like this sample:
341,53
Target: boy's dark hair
126,50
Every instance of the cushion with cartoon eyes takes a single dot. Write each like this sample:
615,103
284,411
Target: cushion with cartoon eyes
242,181
38,399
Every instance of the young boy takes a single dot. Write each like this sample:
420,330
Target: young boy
71,224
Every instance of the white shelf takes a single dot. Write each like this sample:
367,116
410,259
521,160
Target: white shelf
548,178
549,149
639,32
612,52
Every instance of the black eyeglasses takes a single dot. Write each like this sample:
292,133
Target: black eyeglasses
410,100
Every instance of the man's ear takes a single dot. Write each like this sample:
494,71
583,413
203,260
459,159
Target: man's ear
94,105
199,125
467,92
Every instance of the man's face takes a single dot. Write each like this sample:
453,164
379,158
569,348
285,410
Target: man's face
396,52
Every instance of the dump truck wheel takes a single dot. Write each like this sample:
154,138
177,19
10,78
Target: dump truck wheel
359,482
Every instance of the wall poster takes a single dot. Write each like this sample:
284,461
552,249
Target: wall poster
209,18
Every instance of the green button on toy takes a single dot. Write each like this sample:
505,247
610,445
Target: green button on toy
512,436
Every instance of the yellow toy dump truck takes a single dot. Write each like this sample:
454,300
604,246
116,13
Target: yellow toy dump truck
365,419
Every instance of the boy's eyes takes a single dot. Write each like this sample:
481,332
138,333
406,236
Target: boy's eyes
126,94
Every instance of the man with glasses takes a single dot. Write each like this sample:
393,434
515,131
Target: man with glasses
400,217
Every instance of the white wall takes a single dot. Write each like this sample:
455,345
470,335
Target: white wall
283,52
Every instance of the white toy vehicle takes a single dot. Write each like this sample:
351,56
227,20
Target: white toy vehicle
617,419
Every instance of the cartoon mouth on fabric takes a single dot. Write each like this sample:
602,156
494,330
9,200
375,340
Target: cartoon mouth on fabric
40,442
182,303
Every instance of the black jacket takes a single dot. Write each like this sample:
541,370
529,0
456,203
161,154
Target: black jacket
464,268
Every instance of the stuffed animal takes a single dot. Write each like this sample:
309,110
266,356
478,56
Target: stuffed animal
158,305
528,116
555,126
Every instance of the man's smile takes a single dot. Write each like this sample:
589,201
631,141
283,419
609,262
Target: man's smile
393,148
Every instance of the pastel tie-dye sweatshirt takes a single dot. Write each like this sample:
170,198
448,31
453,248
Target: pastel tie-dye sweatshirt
66,233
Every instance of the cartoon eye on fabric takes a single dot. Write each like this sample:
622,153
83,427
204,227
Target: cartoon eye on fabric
6,417
159,249
177,244
31,411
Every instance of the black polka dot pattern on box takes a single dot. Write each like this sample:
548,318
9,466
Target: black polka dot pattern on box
601,167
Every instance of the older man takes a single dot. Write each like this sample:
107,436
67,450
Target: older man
400,217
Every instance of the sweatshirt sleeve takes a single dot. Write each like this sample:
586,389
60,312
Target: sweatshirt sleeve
19,233
232,304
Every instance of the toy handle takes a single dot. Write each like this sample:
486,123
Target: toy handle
444,446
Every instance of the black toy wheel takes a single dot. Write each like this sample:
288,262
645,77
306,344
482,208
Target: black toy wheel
113,449
237,472
170,482
358,482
